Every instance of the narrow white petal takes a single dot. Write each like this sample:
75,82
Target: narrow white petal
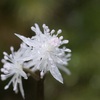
28,41
21,88
56,74
66,70
15,86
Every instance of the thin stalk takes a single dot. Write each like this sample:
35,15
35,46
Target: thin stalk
40,89
39,83
33,74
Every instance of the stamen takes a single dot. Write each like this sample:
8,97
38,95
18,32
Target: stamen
41,74
6,87
67,50
3,77
6,58
53,31
61,37
5,53
65,41
12,49
58,32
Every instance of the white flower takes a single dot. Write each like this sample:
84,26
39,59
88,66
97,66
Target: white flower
13,66
47,54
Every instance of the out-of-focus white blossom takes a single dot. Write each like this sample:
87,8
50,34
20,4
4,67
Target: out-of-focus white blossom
13,67
47,53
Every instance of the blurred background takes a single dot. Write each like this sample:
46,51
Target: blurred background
80,22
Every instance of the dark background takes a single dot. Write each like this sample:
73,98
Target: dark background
80,22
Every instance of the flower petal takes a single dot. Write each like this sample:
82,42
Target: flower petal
56,74
66,70
28,41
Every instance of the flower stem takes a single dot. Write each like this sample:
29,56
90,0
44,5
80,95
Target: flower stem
40,89
39,83
33,74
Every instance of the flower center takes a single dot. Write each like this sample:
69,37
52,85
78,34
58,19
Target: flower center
51,44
